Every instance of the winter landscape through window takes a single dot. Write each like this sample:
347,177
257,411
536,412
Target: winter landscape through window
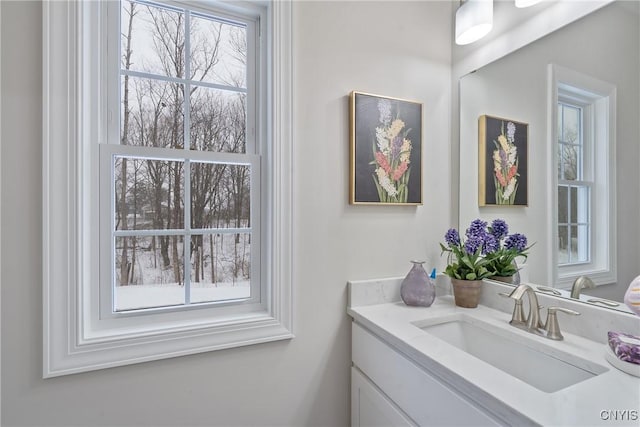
185,172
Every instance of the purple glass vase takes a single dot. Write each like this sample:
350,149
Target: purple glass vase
417,288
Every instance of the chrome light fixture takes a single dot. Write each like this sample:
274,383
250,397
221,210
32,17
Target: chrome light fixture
474,19
526,3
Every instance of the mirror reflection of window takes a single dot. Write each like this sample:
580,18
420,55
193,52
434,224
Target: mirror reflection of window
584,110
574,209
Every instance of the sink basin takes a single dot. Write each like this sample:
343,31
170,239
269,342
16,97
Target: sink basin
506,351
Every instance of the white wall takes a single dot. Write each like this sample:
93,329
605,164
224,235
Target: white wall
603,45
391,48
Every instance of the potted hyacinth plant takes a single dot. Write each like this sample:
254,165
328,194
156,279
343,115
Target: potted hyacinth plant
509,247
467,263
484,252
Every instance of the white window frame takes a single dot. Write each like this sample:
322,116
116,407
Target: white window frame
75,337
598,99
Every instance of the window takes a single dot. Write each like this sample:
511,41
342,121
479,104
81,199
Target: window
584,156
181,242
575,179
184,166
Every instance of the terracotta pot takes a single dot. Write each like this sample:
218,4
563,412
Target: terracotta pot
505,279
466,292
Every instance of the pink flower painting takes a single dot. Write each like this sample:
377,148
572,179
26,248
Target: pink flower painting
391,155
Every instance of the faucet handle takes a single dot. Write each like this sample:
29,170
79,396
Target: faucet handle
552,327
553,310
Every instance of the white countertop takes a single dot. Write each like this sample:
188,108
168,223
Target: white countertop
581,404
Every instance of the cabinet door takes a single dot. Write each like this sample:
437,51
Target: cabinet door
369,407
423,397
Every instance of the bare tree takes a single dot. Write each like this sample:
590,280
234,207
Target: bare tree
124,259
569,155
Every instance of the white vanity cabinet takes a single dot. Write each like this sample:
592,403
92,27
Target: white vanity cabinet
388,389
370,407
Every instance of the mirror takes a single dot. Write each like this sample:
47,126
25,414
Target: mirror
604,45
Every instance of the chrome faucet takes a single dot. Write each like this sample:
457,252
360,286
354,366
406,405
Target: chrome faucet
533,322
582,282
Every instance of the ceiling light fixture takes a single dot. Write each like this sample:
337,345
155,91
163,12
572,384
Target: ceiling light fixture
474,19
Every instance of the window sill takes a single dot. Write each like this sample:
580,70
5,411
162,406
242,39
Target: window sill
90,356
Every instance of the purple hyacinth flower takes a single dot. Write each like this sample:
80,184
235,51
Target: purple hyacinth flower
499,228
490,244
452,237
473,243
516,241
477,228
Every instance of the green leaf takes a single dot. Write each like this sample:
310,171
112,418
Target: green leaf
512,198
466,261
471,276
381,192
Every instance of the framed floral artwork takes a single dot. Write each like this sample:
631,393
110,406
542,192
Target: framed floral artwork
386,150
502,168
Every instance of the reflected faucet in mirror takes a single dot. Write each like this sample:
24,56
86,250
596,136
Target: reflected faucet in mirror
582,282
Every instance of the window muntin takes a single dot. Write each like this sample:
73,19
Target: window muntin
193,176
574,191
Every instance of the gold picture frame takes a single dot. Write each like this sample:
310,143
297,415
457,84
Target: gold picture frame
385,150
502,162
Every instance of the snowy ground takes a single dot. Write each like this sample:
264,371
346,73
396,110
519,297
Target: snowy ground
147,296
152,285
